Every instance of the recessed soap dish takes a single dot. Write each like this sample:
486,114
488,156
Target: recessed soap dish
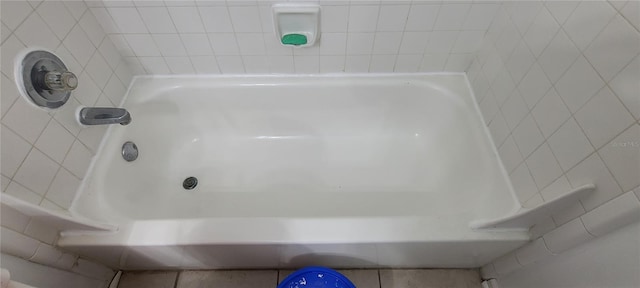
296,24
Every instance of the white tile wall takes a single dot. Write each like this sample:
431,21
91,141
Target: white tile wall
413,36
45,154
580,124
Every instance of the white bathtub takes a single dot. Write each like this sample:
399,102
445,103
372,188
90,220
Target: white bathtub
357,171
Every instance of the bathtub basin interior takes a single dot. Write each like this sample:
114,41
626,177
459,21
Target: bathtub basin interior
300,160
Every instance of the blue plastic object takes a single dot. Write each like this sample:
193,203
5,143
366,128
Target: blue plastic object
316,277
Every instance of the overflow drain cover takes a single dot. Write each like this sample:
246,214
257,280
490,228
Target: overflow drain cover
190,183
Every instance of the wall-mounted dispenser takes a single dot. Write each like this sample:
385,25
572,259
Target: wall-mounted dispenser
296,24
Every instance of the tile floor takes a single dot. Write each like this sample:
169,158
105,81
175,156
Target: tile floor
362,278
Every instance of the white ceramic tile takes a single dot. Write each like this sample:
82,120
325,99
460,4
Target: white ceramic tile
4,33
499,129
408,63
256,64
196,44
630,12
542,227
523,13
230,64
245,18
110,53
307,64
26,120
157,19
441,41
149,279
533,252
121,44
105,20
360,43
55,141
66,115
543,166
125,71
9,93
37,172
357,63
422,17
179,65
567,236
91,136
35,32
41,231
527,136
216,19
392,17
79,45
46,254
451,16
251,43
387,42
622,156
187,19
569,144
550,113
603,117
16,244
613,48
76,8
508,41
14,151
492,67
281,64
98,70
332,63
593,171
334,18
523,183
224,44
10,48
587,20
612,215
514,110
363,18
142,44
382,63
127,19
627,88
205,64
480,16
578,84
333,44
458,62
78,159
56,15
506,264
534,85
414,42
169,44
541,32
468,42
558,56
561,10
94,31
14,13
21,192
115,90
503,87
556,189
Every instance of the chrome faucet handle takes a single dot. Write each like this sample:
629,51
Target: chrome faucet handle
60,81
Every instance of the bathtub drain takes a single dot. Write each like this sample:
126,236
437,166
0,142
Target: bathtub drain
190,183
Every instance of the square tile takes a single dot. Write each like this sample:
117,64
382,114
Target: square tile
56,15
332,63
230,64
142,44
187,19
578,84
593,171
622,156
422,17
392,17
514,110
541,32
534,85
414,42
245,18
527,136
94,30
231,278
567,236
78,159
14,150
99,70
387,42
333,44
14,12
169,44
205,64
37,172
26,120
558,56
613,48
363,18
523,183
480,16
224,44
55,141
35,32
441,41
382,63
603,117
157,19
251,44
543,166
509,154
550,113
626,86
451,16
148,280
427,278
587,20
196,44
334,18
569,144
127,19
360,43
408,63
